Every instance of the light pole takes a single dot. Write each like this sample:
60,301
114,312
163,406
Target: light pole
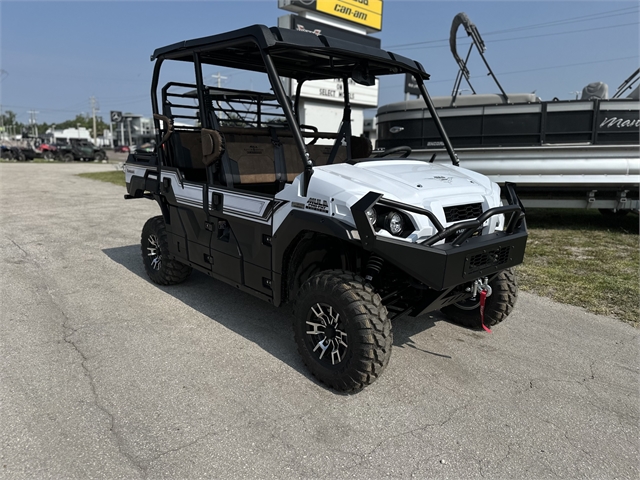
129,128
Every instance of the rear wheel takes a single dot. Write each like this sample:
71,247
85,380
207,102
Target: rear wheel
155,255
67,157
100,156
342,330
498,306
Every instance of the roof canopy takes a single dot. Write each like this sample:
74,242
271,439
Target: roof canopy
299,55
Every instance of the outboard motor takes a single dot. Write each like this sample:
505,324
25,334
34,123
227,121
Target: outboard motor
595,90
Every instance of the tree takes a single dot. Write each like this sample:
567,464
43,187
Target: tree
233,120
85,122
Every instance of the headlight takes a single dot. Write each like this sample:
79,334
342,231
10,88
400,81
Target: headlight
394,223
372,216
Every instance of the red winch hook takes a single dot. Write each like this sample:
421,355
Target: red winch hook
483,298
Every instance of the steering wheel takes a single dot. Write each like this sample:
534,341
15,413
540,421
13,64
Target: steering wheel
405,149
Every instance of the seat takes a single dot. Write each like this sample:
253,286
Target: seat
186,150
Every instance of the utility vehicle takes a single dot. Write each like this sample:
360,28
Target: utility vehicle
80,150
252,196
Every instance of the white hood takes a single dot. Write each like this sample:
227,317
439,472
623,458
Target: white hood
407,181
334,189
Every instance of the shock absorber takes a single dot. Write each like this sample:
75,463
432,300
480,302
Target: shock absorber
374,265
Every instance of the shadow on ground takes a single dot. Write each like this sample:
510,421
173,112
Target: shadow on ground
267,326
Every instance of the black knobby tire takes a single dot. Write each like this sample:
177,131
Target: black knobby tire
497,307
67,157
340,315
155,255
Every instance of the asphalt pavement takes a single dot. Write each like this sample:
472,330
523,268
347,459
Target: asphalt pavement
107,375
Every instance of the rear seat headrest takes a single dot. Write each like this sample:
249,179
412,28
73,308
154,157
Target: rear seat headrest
212,146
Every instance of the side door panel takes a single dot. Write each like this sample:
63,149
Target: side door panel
244,222
189,236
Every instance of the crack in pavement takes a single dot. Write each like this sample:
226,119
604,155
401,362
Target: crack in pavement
67,333
146,464
367,456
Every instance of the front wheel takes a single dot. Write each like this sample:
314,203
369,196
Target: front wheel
342,330
155,255
497,307
67,157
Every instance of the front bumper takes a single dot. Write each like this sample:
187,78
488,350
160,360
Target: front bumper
463,259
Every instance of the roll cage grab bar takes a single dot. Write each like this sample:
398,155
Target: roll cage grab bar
290,112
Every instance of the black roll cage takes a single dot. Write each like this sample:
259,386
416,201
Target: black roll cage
283,44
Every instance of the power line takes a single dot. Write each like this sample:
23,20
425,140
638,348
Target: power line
530,36
583,18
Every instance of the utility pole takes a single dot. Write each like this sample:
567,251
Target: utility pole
129,128
33,122
93,112
219,77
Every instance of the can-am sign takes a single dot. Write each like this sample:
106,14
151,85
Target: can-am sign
367,13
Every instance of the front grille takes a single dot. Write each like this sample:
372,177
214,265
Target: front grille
455,213
492,258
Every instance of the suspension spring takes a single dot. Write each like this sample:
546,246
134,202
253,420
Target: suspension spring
374,265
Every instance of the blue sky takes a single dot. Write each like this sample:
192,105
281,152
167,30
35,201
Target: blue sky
56,55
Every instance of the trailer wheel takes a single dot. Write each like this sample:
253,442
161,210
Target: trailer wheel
155,255
342,330
498,306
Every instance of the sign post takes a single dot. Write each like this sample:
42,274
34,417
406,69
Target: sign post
320,102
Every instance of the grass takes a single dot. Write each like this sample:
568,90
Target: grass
578,257
583,258
115,176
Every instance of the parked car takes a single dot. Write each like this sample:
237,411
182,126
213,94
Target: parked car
48,151
122,149
81,150
144,148
20,154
